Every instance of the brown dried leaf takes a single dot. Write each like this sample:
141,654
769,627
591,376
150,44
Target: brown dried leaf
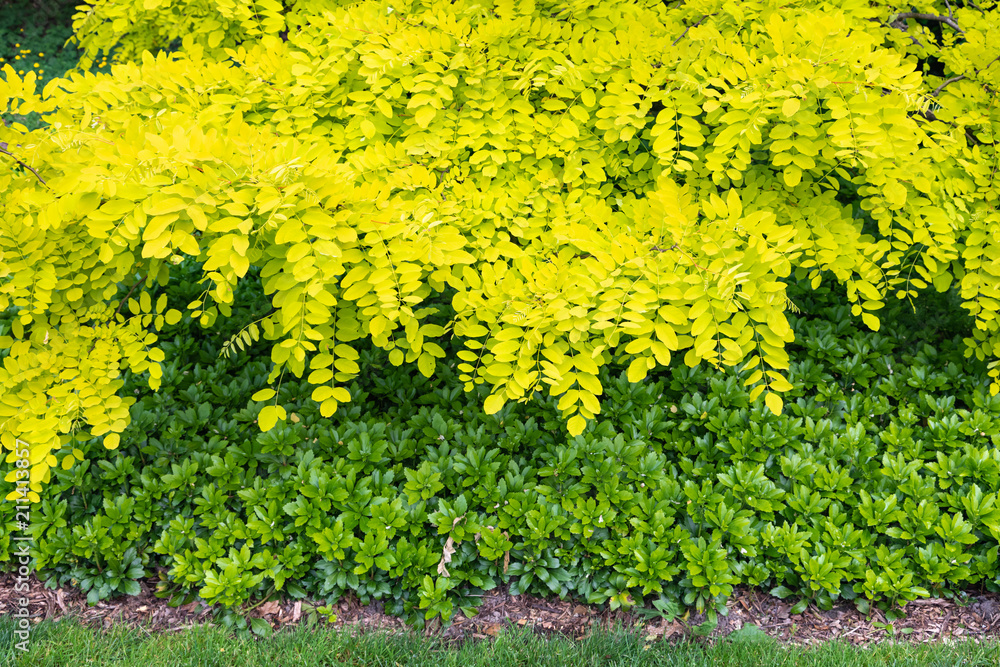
449,549
270,607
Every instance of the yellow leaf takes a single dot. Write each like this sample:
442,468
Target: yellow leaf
779,382
793,175
320,376
666,335
268,417
328,407
384,107
426,363
590,402
734,204
777,323
568,400
872,321
773,402
263,395
637,369
172,316
424,116
112,440
576,425
67,462
166,206
493,404
197,217
942,282
368,128
790,106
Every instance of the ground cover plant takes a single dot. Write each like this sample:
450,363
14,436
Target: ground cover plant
877,484
627,182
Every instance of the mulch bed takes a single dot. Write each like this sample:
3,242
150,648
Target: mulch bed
928,619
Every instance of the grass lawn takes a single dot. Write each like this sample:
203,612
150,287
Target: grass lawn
69,643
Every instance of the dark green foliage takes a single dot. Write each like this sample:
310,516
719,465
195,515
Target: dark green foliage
878,484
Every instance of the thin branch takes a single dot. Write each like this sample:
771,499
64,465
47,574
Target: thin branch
962,76
137,283
930,17
3,149
901,26
929,115
951,80
694,25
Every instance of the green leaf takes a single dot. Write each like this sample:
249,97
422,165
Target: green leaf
781,592
130,587
749,634
260,627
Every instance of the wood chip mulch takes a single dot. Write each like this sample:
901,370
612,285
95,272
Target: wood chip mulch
926,620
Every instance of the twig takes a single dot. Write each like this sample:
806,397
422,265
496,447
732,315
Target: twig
3,149
901,26
951,80
962,76
944,624
694,25
930,17
137,283
254,606
189,626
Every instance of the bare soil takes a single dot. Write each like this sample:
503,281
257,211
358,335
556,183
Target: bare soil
925,620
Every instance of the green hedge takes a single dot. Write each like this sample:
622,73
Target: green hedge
878,483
